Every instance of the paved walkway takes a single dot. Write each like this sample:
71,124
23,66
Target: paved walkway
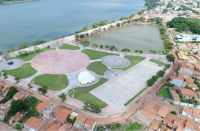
16,64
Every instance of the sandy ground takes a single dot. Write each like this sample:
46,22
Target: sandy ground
5,127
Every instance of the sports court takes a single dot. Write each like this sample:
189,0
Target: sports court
123,87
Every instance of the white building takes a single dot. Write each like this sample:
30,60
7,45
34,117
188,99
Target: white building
86,77
188,37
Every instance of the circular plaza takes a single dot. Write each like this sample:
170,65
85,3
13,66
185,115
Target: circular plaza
60,61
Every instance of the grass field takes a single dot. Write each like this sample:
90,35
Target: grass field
52,82
32,54
129,101
157,62
22,72
95,54
97,67
133,61
165,93
71,47
82,93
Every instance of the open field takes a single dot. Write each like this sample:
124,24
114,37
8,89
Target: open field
157,62
95,54
70,47
133,61
52,82
82,93
97,67
22,72
123,87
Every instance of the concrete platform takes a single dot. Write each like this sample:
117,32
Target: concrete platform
123,87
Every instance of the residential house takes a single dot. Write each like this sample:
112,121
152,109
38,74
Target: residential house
186,70
65,127
54,127
155,125
5,89
3,113
196,75
171,121
193,86
186,93
45,108
179,82
33,124
19,96
186,125
174,95
80,121
183,76
46,125
90,124
61,114
147,113
163,111
197,66
191,113
198,94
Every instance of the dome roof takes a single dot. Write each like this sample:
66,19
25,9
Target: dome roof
86,77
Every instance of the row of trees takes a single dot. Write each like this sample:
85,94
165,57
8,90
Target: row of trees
185,24
159,74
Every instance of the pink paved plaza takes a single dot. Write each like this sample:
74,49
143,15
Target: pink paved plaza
60,61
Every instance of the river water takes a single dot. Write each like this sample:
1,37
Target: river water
134,37
47,19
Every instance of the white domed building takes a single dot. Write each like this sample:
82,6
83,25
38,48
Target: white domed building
86,77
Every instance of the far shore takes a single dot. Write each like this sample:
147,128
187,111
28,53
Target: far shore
12,2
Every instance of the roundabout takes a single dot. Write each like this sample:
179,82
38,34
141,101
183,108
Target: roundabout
60,61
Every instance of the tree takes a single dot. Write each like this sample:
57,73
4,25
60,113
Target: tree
5,75
77,36
85,43
167,66
150,82
63,96
43,90
16,106
141,51
136,51
11,50
95,25
112,21
118,24
160,73
171,57
101,46
11,92
102,22
38,42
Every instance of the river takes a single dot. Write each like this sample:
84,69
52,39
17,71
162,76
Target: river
47,19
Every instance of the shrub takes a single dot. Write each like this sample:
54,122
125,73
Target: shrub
43,90
174,112
18,127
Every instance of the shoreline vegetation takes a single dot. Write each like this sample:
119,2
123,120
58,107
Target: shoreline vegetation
13,1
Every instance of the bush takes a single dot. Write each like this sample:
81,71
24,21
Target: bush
39,42
43,90
118,24
174,112
108,126
18,127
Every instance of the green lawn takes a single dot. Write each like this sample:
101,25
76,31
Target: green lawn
165,93
157,62
52,82
95,54
71,47
82,93
129,101
97,67
133,61
22,72
32,54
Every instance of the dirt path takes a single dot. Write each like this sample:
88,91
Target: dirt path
6,127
